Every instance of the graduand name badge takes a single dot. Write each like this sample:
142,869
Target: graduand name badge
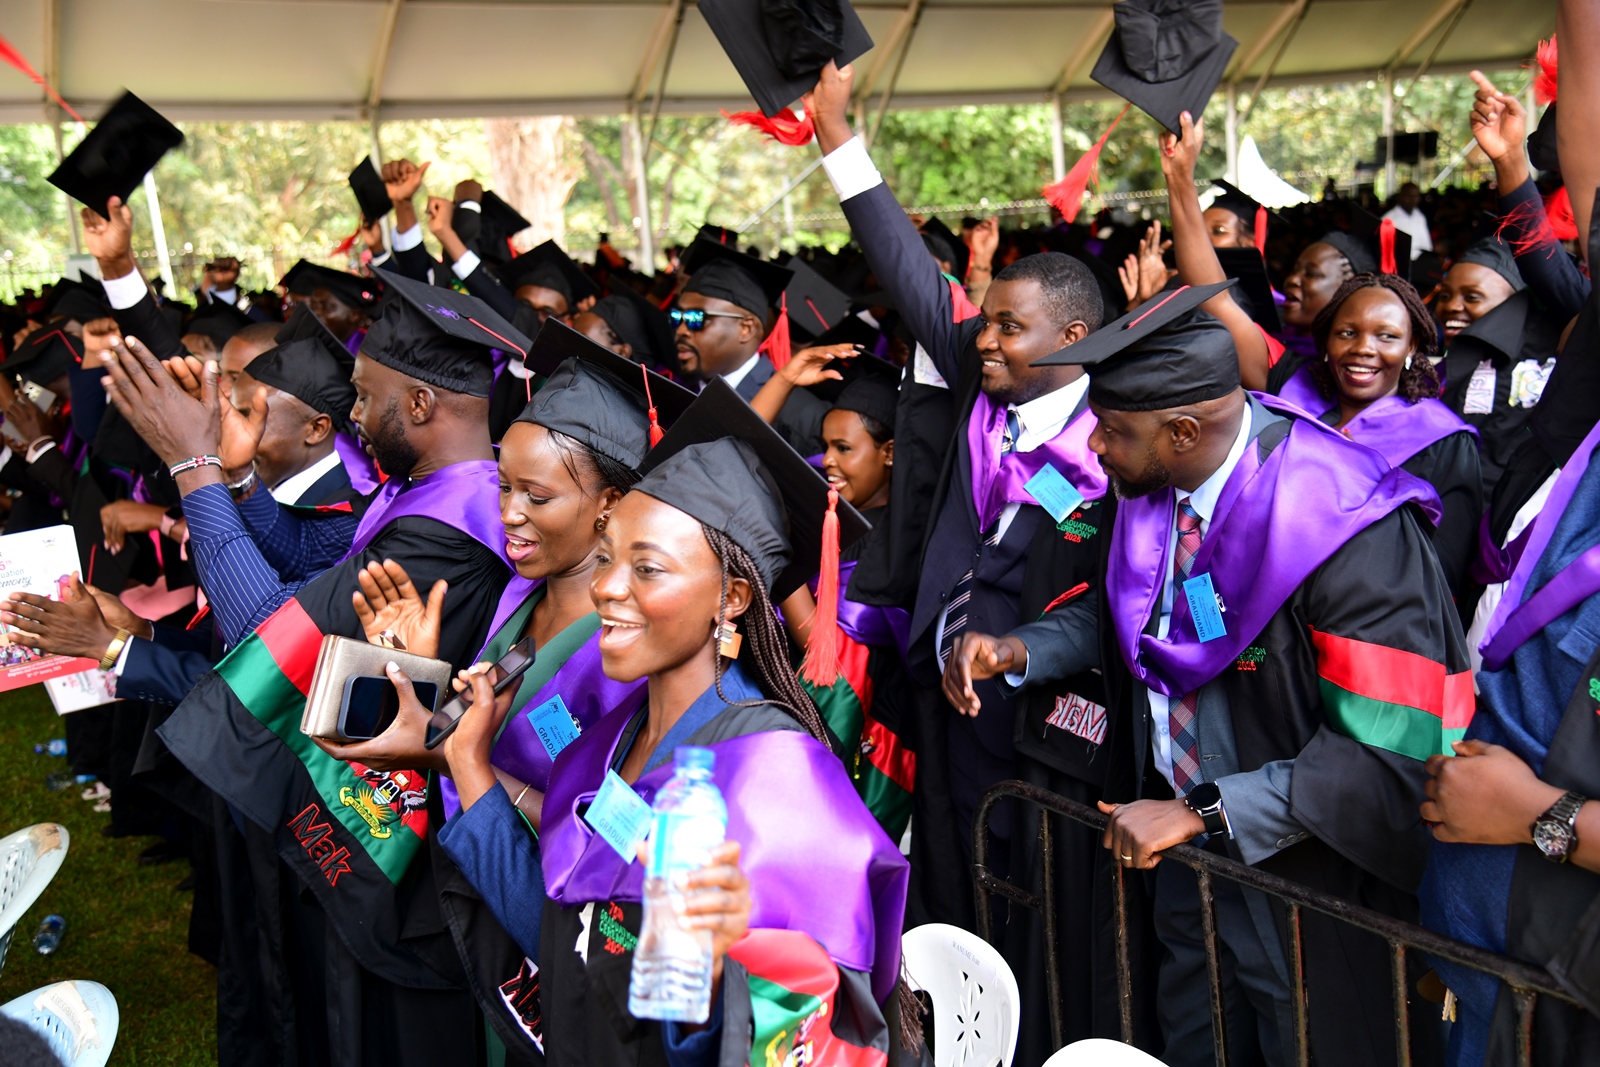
554,724
619,815
1480,390
1205,608
1053,492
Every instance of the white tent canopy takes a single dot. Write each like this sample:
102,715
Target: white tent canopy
394,59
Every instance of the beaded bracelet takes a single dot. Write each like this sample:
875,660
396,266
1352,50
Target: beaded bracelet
193,463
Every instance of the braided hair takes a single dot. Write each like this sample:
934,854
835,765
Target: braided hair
779,684
1420,381
769,650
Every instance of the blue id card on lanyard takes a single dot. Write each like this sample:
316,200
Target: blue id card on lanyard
554,725
619,815
1053,492
1205,608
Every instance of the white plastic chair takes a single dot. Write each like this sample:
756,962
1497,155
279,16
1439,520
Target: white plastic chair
975,999
29,858
78,1019
1100,1052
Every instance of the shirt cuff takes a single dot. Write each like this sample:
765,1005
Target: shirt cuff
470,205
406,240
378,261
35,450
126,291
122,657
225,296
851,170
466,264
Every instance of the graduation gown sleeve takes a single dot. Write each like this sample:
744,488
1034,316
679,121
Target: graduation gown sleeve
1451,466
488,289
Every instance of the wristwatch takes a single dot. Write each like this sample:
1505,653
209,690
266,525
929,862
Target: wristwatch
1555,833
1205,800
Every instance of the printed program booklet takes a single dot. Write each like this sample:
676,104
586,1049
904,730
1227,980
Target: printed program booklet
42,562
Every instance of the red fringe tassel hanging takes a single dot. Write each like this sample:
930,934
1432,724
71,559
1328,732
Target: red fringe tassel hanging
656,432
13,57
1544,78
1066,195
1386,263
777,345
1261,229
785,127
821,667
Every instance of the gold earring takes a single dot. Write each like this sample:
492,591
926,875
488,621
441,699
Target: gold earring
729,641
600,523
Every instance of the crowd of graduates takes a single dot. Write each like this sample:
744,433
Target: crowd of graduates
1272,532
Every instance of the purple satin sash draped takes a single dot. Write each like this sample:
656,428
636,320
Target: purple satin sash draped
1494,564
587,693
816,859
1516,619
1396,429
357,464
1276,522
868,623
998,481
463,495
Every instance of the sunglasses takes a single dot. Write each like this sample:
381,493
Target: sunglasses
694,319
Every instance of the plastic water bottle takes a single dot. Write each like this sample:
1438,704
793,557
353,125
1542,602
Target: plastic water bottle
51,931
56,746
671,965
56,781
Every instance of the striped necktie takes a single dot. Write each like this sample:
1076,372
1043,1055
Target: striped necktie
955,615
1180,721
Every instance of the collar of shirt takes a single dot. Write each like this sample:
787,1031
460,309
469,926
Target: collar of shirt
1044,417
733,378
1204,498
288,491
225,296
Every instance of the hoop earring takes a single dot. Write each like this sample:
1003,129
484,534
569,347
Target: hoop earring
729,641
600,523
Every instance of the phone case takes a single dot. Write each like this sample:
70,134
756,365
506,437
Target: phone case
343,657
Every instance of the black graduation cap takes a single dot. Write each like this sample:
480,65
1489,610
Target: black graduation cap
1231,198
557,342
815,304
547,266
717,234
744,281
871,386
723,465
306,369
1362,244
80,301
371,193
218,321
647,329
1492,252
44,356
1165,56
353,290
1254,291
1542,150
440,336
113,159
303,325
1163,354
780,46
507,220
949,239
593,408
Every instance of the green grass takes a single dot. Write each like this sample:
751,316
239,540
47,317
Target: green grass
126,926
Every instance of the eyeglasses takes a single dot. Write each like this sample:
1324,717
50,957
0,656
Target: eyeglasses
694,319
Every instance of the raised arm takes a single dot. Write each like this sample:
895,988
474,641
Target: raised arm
928,301
1197,260
110,241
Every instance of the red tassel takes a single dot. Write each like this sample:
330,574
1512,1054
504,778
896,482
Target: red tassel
1544,78
13,57
1386,264
785,127
1066,195
1558,210
344,246
777,346
821,667
1527,228
656,433
1261,230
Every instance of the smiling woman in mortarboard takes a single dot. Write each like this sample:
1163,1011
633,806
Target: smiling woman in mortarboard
725,518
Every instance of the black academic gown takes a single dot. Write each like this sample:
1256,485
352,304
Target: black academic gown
1359,803
1511,334
799,421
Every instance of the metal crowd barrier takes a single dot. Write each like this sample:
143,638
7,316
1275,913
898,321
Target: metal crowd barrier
1527,982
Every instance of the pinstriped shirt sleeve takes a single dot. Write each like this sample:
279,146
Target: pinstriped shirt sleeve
297,548
242,586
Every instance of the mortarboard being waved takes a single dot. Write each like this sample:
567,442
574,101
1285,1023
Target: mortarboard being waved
124,145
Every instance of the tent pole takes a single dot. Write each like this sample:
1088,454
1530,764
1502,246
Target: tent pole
1388,135
159,232
374,122
1058,150
641,185
1231,116
72,214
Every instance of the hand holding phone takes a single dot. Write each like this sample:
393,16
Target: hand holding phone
370,705
506,672
400,732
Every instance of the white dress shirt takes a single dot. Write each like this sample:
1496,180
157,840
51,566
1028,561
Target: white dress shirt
734,377
126,291
1204,501
1414,223
288,491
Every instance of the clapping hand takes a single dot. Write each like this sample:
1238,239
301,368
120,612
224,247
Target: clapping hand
388,603
174,424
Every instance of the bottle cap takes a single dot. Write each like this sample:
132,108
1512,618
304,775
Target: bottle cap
691,758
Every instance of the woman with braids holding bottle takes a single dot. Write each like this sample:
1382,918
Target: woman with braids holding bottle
1376,381
806,897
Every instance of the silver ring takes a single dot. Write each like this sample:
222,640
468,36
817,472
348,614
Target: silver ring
1127,859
